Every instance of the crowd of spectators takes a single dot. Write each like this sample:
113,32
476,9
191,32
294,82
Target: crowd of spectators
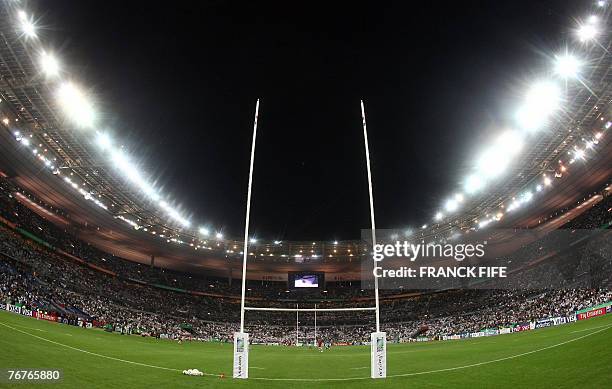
39,277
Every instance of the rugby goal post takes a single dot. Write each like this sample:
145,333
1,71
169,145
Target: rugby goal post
378,342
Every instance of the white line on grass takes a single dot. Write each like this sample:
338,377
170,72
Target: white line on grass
437,370
322,379
30,328
96,354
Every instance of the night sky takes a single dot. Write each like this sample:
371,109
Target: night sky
177,82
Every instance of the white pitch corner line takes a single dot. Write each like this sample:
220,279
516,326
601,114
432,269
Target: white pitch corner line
320,379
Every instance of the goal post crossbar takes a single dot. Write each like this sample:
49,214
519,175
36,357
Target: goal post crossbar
308,309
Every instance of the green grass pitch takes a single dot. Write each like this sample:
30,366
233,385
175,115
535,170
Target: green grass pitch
572,355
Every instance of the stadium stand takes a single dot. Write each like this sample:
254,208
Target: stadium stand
45,268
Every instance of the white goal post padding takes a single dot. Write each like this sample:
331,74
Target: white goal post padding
378,347
241,355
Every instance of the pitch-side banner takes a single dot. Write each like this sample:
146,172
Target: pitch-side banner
592,313
378,346
241,355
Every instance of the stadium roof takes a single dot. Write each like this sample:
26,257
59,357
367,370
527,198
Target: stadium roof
132,225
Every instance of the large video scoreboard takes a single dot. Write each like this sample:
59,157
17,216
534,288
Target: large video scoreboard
301,280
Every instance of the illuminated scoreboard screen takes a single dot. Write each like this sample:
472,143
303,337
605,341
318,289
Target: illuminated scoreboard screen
299,280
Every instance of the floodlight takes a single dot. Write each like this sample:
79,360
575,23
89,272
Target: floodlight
219,235
103,140
26,24
586,32
492,163
527,196
76,105
545,95
451,205
542,99
438,216
204,231
484,223
49,64
473,184
510,143
579,153
567,66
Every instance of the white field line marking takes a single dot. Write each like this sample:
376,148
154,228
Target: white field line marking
30,328
96,354
324,379
358,368
438,370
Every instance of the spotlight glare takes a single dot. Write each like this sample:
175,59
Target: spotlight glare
473,184
586,32
510,142
579,154
219,235
103,140
451,205
527,196
542,99
129,170
492,163
76,105
567,66
49,64
438,216
204,231
27,26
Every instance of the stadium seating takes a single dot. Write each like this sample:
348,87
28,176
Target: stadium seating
40,277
